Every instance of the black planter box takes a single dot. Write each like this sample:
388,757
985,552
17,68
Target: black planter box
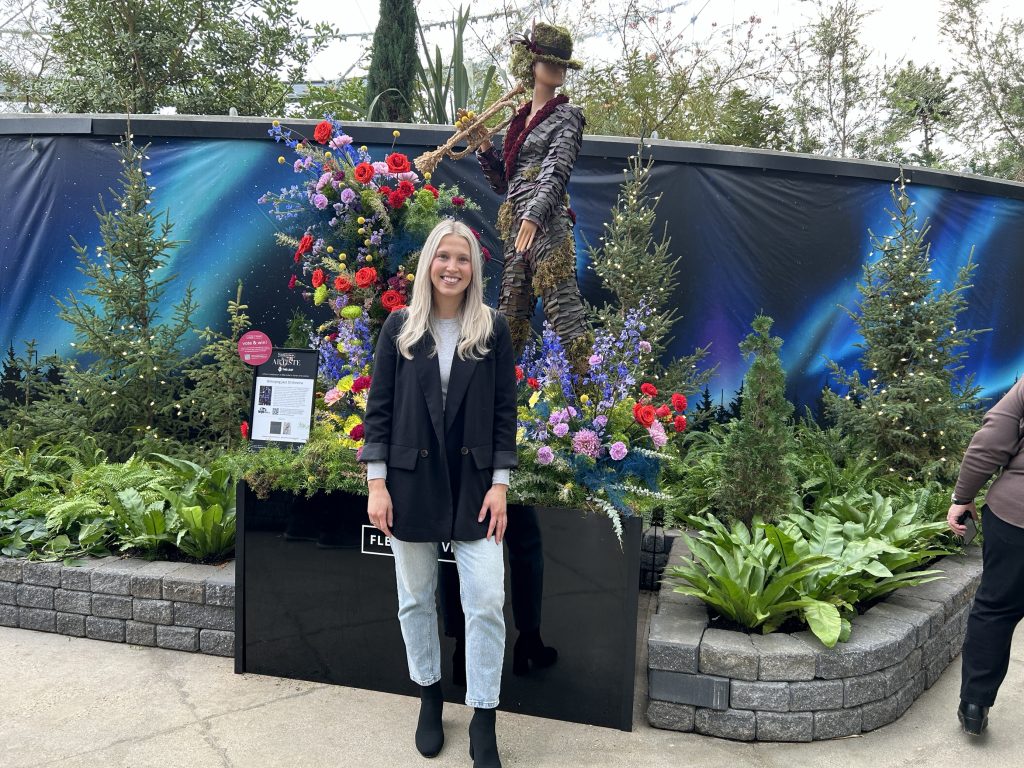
316,600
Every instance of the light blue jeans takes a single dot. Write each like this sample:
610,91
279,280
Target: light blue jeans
482,589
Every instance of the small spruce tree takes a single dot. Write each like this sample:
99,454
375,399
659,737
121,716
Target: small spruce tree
914,413
392,76
10,378
756,479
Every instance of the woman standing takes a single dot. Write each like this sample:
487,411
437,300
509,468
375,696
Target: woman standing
999,602
532,171
440,432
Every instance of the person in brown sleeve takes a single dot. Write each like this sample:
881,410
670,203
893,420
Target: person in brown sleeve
999,602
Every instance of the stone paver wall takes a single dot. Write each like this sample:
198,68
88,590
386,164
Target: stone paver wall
780,687
156,603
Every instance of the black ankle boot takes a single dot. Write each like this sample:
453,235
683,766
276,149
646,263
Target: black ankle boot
459,663
483,744
429,733
530,648
973,718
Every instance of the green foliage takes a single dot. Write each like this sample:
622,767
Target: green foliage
755,478
921,100
913,413
393,63
344,99
299,329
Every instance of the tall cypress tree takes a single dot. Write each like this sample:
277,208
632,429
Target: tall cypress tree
914,413
393,63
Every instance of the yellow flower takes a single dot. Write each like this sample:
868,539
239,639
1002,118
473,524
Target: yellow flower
366,243
330,249
520,434
351,423
369,258
584,399
361,230
342,256
341,347
362,148
396,134
410,277
345,385
426,176
534,398
327,155
276,123
360,220
281,159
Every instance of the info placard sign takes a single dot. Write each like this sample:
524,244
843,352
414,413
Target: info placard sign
282,400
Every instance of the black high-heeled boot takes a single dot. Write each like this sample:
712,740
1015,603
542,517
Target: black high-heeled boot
483,743
530,648
429,733
459,662
973,718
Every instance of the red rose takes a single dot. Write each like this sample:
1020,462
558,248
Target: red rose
341,283
458,201
391,300
318,278
291,282
663,411
357,432
384,190
485,253
519,373
305,246
396,199
649,389
244,429
406,188
366,277
364,173
432,190
323,131
679,402
645,415
680,423
398,163
532,383
361,383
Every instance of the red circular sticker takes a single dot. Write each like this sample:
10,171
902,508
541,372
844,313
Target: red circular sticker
255,347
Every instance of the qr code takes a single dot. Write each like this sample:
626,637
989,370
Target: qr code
274,411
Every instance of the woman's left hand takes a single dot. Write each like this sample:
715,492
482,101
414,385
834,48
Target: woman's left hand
494,502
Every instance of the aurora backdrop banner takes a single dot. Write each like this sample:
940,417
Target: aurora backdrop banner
756,231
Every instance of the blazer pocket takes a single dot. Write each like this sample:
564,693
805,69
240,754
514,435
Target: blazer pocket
402,457
482,456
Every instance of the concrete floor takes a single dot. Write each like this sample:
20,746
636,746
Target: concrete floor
75,702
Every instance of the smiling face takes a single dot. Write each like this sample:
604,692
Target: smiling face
451,272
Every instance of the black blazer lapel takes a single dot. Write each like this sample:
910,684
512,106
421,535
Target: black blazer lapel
429,374
458,383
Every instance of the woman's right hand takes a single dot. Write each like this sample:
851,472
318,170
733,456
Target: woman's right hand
954,515
379,507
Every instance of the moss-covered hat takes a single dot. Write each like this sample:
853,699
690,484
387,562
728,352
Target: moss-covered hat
545,42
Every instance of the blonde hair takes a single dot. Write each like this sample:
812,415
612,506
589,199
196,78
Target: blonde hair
476,320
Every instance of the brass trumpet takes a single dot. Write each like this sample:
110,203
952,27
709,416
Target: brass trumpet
428,161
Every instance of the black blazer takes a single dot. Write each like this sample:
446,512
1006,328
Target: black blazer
440,457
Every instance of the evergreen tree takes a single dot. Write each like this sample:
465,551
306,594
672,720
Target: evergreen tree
635,269
126,395
705,415
394,63
735,409
913,412
299,329
756,479
10,378
219,399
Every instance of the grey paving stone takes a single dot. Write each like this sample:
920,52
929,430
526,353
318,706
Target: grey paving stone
785,726
72,624
10,569
674,644
72,601
112,606
115,577
38,619
934,671
920,621
783,658
933,609
682,688
670,716
909,693
816,694
43,574
879,713
204,616
935,650
220,592
759,695
187,584
904,634
726,724
728,654
955,625
682,606
148,579
870,648
8,593
79,577
217,643
153,611
104,629
177,638
8,615
834,724
863,688
897,675
139,633
32,596
953,591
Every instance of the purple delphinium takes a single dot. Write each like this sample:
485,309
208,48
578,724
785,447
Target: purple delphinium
587,443
545,455
618,450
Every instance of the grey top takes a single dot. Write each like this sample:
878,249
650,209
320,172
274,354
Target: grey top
446,342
